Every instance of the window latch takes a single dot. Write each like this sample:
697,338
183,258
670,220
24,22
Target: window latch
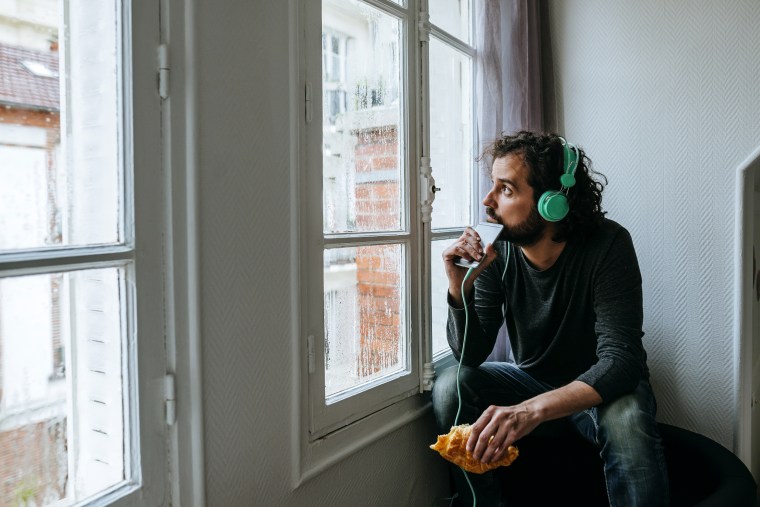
163,71
308,103
170,399
310,353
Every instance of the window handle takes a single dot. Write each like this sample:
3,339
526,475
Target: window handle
427,189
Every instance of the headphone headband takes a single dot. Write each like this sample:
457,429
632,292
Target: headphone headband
570,163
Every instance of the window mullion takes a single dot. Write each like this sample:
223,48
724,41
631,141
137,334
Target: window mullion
19,264
426,195
452,41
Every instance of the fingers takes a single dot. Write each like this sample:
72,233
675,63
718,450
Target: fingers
488,442
468,246
478,427
482,431
488,256
494,431
497,446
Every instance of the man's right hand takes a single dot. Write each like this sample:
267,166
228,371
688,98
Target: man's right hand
468,248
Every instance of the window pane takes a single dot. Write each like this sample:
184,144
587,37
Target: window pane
451,129
452,16
365,331
439,287
59,124
362,111
62,411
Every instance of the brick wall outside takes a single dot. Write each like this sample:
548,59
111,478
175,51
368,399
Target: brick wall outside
31,118
33,464
378,267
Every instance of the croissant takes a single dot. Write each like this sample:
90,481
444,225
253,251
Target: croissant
452,447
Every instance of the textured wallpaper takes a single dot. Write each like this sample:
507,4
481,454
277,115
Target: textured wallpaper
246,207
663,97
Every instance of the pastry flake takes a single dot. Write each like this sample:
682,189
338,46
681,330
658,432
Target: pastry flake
452,447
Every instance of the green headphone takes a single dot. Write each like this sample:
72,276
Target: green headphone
553,205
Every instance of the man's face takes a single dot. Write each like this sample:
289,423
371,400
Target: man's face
510,201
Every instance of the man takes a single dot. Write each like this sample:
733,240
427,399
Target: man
570,291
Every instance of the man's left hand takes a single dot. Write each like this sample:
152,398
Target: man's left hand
498,428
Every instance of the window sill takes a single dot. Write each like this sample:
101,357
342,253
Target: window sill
318,456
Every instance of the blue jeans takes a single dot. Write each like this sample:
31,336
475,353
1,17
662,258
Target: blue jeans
624,431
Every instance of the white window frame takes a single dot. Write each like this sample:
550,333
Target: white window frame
327,418
143,247
330,433
180,129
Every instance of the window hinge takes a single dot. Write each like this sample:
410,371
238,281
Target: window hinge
308,103
423,27
163,71
310,352
170,399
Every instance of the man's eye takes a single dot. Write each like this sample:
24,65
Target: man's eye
506,190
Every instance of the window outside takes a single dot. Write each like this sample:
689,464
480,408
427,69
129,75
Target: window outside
439,285
364,357
361,77
451,134
454,17
452,144
364,284
63,331
364,319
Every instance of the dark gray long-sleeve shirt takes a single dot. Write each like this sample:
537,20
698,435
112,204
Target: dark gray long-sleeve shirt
581,319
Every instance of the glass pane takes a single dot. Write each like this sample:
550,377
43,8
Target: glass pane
361,113
62,410
451,129
453,16
60,170
365,330
439,287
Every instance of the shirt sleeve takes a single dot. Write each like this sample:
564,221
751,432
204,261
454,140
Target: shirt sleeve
482,319
618,305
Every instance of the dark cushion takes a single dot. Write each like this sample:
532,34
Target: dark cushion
567,470
703,472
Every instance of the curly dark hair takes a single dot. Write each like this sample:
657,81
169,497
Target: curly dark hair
544,154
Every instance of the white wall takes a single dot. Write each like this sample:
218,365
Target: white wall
663,97
246,212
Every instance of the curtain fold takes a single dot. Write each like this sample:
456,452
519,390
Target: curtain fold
508,84
522,83
508,80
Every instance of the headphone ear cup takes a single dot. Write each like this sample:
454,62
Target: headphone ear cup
553,206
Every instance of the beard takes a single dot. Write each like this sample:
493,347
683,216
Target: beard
526,233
